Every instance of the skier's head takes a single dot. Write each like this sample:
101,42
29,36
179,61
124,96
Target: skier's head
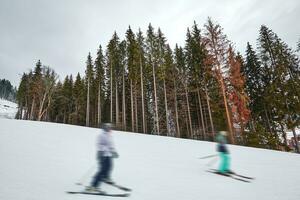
223,133
107,127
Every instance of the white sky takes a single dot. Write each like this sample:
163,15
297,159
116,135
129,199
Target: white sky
61,33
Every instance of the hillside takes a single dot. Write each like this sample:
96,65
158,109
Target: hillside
40,161
8,109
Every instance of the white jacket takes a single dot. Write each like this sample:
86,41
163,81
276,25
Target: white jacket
105,144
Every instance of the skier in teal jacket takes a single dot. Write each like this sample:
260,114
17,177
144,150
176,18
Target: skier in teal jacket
224,166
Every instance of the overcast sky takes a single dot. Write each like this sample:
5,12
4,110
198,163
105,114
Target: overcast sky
61,32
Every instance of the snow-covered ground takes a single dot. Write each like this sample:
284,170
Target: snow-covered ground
8,109
40,161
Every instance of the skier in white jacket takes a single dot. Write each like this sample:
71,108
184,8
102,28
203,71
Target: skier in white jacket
105,152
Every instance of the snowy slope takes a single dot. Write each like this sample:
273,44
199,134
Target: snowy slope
43,160
8,109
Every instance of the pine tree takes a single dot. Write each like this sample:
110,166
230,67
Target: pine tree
89,75
151,49
100,82
67,91
21,96
161,82
280,81
36,87
141,51
132,62
114,71
195,57
170,91
179,63
182,86
7,91
78,95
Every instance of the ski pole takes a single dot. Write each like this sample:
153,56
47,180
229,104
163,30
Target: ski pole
210,156
84,176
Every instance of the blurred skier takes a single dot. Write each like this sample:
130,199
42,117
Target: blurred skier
224,166
105,153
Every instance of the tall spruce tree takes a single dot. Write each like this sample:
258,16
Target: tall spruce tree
89,76
114,70
151,49
133,66
100,82
141,54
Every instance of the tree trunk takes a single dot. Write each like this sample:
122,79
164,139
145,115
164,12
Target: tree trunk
32,109
189,113
155,101
267,119
26,110
46,109
135,109
166,108
209,113
124,105
176,110
142,92
41,107
296,140
21,113
99,105
231,136
88,105
284,136
111,95
201,113
132,112
117,106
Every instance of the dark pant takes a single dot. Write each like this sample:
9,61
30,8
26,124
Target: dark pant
104,170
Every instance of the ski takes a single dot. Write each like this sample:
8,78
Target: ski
119,186
228,175
210,156
99,193
242,176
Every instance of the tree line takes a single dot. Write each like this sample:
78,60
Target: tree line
143,85
7,91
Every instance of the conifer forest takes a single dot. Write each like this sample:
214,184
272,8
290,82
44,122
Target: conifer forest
142,84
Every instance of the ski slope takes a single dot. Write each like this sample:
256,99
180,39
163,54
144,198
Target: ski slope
41,161
8,109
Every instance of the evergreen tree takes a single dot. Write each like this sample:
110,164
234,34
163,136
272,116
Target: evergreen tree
280,82
141,52
182,88
152,62
195,57
7,91
100,83
78,115
21,96
133,66
89,75
35,89
114,71
161,75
